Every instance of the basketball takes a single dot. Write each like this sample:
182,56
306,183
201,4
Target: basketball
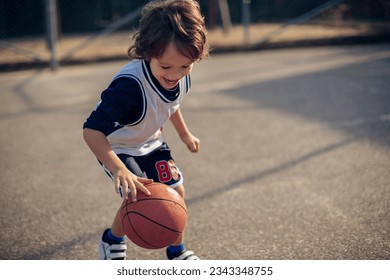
154,221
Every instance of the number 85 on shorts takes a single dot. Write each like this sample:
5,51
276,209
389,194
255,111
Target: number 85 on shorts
167,171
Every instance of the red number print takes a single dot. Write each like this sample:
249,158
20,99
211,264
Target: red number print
163,171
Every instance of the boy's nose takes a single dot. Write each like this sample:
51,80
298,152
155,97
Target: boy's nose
175,76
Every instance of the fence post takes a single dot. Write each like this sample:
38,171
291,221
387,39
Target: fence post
52,31
246,19
225,15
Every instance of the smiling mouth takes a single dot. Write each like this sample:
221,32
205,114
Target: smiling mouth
171,82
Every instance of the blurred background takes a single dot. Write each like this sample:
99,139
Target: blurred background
51,33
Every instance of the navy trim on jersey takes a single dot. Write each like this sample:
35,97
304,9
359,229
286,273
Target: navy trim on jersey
168,96
188,83
118,106
144,101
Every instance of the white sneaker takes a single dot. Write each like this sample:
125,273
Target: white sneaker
111,251
185,255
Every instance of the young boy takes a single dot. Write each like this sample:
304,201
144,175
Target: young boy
124,131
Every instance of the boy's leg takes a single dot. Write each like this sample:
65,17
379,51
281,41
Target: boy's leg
161,167
180,240
116,227
112,244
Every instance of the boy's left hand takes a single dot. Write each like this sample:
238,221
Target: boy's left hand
192,142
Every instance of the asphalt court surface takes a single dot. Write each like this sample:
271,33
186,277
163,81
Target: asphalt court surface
294,160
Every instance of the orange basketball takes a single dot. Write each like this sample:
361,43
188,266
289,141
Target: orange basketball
154,221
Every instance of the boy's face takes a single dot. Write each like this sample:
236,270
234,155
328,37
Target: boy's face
170,67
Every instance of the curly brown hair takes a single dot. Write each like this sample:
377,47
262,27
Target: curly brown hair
166,21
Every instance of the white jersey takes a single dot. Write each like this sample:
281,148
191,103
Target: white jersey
144,135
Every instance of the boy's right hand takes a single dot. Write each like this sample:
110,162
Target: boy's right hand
130,183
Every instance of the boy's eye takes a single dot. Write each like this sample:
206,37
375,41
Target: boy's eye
169,67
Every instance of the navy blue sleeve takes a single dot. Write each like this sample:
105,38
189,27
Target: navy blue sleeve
121,104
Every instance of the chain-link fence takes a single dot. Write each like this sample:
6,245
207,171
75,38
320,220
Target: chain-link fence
52,32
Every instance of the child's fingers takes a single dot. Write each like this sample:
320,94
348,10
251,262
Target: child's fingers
133,194
145,181
117,185
139,185
133,186
125,190
194,147
144,189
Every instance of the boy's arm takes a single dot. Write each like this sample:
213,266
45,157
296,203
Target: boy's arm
99,145
185,135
